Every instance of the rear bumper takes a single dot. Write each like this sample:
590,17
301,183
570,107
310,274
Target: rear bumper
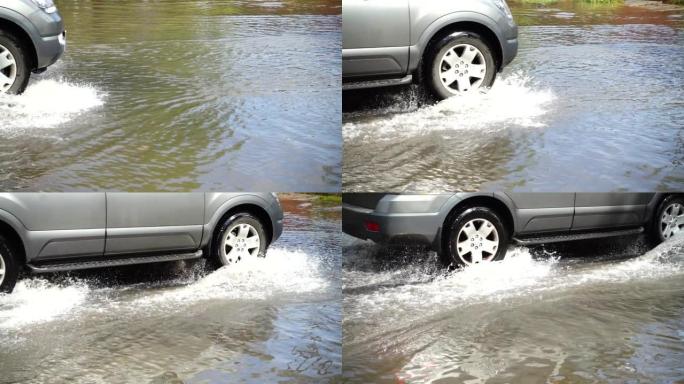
392,227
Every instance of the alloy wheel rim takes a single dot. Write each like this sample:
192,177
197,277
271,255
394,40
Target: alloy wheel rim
8,69
2,269
462,68
672,220
477,241
240,242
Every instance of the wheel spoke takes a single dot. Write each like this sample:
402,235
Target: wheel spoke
252,242
679,220
4,79
243,231
469,230
231,240
463,83
477,70
486,229
476,255
233,254
450,57
469,54
464,247
490,246
448,77
6,60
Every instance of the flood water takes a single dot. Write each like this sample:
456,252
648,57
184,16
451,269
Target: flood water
593,101
275,319
608,311
182,95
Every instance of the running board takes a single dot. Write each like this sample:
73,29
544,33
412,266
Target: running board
75,265
408,79
576,236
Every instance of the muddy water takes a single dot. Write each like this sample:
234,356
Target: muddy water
585,312
275,319
227,95
593,101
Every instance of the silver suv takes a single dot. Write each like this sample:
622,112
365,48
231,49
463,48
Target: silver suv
32,38
453,46
49,232
470,228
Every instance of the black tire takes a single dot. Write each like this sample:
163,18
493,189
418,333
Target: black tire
9,260
22,60
655,233
436,51
458,221
219,258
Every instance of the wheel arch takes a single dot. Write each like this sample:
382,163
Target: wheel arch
12,24
10,233
488,201
250,204
466,22
654,207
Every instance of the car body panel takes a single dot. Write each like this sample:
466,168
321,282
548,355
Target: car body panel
420,217
542,212
59,224
376,36
602,210
55,226
384,38
138,222
45,30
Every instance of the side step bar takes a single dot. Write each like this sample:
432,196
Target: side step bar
377,83
576,236
71,265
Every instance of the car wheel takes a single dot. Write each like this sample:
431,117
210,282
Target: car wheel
668,220
241,237
9,269
14,65
459,64
474,236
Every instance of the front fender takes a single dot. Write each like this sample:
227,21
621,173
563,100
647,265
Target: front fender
426,29
217,204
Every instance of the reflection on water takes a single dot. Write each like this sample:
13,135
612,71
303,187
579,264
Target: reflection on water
595,95
277,318
580,312
183,96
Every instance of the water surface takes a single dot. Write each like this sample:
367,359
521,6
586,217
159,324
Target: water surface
187,95
593,101
591,311
275,319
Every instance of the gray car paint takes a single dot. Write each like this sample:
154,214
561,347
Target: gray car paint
66,225
389,37
44,29
421,217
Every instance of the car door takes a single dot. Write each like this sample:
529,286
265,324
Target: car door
606,210
376,37
542,212
154,222
60,225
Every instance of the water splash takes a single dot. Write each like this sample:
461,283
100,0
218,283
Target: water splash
287,272
47,104
37,301
513,100
519,274
283,272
